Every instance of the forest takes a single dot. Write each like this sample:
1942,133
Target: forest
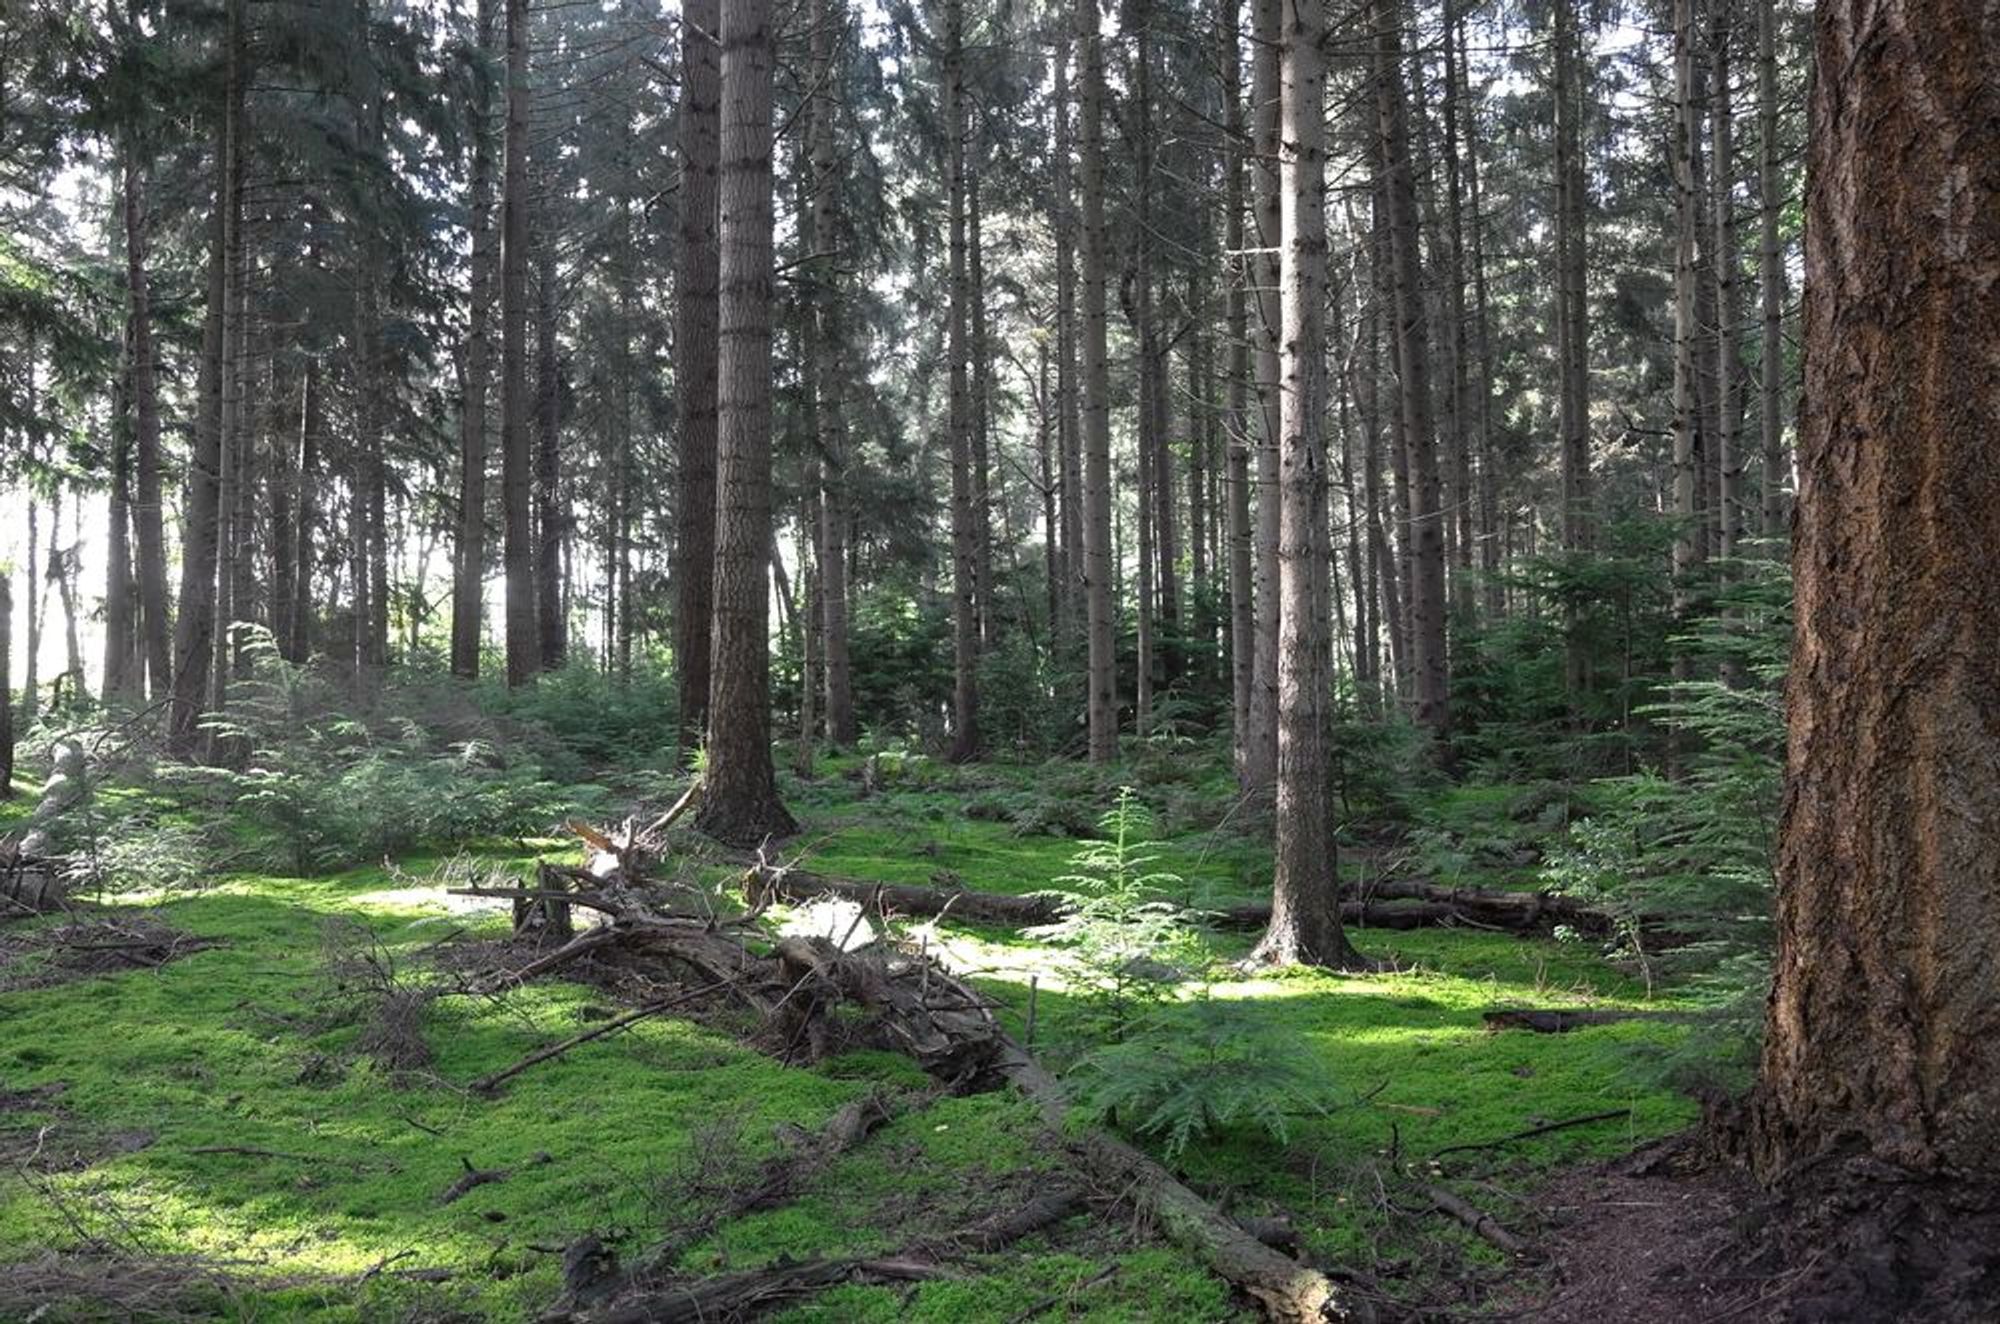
999,660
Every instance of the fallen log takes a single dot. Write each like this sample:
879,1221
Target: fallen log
1483,1224
29,885
1383,905
1285,1288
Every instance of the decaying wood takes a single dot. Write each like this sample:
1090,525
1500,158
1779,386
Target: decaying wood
806,991
1383,905
29,885
1287,1289
1482,1223
471,1180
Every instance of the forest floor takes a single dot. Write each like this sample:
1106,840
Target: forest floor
209,1137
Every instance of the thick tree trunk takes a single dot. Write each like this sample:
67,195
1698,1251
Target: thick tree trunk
695,365
965,517
1261,764
1881,1023
1305,896
516,441
740,794
194,627
468,589
1426,589
1097,559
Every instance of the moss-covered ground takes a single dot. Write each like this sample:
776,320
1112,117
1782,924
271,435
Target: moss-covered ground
213,1106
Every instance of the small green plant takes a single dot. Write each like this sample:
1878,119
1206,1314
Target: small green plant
1131,948
1213,1070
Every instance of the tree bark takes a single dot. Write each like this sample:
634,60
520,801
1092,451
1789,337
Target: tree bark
1064,635
830,236
1305,895
516,453
1728,360
1770,277
148,514
1687,545
965,518
194,627
551,515
299,641
1265,35
1097,560
1427,601
695,339
1572,328
1236,420
6,685
740,802
468,590
1887,972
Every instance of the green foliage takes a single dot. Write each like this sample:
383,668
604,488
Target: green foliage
322,789
578,720
1129,946
1695,851
1217,1070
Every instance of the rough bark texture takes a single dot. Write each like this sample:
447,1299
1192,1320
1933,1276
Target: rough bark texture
1305,899
1097,562
1882,1029
468,588
6,685
1770,276
516,458
1068,626
551,515
695,364
1686,545
740,798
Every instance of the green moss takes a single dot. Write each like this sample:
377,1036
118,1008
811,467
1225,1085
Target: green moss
225,1049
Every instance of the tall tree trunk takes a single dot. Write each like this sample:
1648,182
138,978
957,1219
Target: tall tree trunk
516,443
1880,1029
194,627
281,542
1459,388
1305,899
6,685
124,667
831,238
985,590
468,588
299,643
1770,276
149,522
1572,328
1687,546
1261,765
965,517
1728,360
1427,601
695,339
1237,423
740,794
1065,636
1097,558
1489,460
551,515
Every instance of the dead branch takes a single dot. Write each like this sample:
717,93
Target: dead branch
1482,1224
1534,1131
488,1083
